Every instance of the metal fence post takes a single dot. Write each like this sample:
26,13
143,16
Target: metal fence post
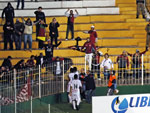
49,109
142,69
63,77
31,105
15,90
0,109
85,64
39,81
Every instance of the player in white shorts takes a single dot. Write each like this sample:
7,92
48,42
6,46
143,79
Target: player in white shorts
75,92
71,77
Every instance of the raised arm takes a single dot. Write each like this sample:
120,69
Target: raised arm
77,14
66,13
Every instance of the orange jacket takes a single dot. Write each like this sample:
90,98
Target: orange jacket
111,79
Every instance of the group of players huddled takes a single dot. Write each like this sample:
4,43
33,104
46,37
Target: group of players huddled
82,86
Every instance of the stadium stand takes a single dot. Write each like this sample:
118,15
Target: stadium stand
115,22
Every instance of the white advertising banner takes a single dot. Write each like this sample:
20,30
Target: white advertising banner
139,103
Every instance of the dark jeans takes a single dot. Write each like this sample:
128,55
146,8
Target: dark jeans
89,94
11,20
40,44
18,42
136,71
70,27
52,38
122,72
96,69
8,39
28,38
18,3
37,29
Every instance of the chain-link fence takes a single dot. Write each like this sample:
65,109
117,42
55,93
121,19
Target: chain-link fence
19,86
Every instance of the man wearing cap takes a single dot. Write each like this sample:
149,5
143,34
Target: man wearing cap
93,34
70,22
89,49
123,63
39,16
136,62
148,34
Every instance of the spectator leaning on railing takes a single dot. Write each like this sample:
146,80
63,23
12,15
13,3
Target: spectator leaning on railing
89,48
7,63
136,62
123,63
107,65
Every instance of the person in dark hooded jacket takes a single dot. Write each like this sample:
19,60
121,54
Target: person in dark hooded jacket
19,29
8,11
8,29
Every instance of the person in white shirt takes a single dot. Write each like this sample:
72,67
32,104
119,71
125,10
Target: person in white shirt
71,77
107,65
76,71
70,23
75,92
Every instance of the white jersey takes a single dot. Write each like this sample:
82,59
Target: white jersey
76,84
71,76
77,73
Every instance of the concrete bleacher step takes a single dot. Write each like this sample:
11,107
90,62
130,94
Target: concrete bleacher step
128,12
121,5
34,45
85,19
20,53
60,12
136,20
127,9
63,4
66,52
126,1
140,36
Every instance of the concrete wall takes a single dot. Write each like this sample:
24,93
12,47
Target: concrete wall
60,12
63,4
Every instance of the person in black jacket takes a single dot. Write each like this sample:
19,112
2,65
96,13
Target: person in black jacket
8,35
40,60
8,11
19,29
7,63
49,48
20,65
53,28
90,86
39,16
18,3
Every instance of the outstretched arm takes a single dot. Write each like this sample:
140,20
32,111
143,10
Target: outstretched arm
66,13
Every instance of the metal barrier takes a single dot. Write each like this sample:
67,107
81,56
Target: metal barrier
18,86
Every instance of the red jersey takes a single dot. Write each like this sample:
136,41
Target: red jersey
93,35
88,47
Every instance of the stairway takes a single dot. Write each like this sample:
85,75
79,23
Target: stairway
118,32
